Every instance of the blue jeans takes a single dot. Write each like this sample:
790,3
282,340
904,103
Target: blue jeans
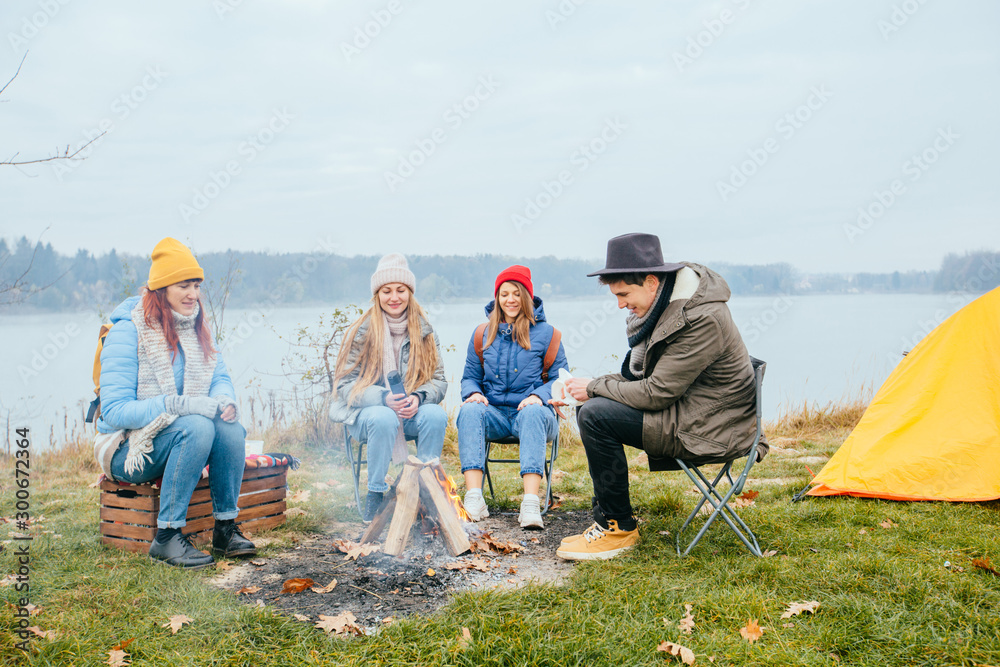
377,426
533,426
180,452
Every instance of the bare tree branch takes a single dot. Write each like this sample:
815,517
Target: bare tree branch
64,155
14,291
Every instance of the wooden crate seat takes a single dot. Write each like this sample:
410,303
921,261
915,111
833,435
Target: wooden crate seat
128,512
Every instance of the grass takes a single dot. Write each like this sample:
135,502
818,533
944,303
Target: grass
885,597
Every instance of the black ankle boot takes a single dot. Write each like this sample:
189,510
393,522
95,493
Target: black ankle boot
229,541
176,550
372,503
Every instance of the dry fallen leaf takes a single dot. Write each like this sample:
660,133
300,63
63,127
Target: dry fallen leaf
248,590
340,624
258,562
751,631
985,564
486,543
683,652
223,565
768,554
300,496
863,531
295,511
889,523
176,622
355,550
686,624
430,572
665,533
788,625
465,639
118,658
796,608
300,617
297,585
512,570
44,634
325,589
389,620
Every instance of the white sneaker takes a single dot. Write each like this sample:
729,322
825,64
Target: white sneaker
531,515
474,504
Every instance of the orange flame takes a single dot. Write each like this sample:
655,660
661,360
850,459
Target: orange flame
448,484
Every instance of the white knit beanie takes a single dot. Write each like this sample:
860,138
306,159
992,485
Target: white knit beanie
393,268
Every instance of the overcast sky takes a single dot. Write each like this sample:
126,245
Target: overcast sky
739,131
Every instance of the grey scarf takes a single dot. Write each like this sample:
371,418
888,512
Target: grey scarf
634,326
395,336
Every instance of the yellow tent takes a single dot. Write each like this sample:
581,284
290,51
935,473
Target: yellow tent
932,432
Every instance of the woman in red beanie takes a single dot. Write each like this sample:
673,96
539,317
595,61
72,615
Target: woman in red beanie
505,394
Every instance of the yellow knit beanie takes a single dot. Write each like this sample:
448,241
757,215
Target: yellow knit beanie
172,263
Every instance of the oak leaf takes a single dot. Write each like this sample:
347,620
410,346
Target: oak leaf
176,623
340,624
300,496
683,652
751,631
325,589
465,639
223,565
248,590
796,608
118,658
985,564
355,550
297,585
686,624
301,617
44,634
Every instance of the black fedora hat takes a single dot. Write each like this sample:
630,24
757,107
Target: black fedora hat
635,253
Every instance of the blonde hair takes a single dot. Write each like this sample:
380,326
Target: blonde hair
521,328
423,361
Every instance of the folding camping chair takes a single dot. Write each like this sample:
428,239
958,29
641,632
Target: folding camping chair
356,459
709,493
550,462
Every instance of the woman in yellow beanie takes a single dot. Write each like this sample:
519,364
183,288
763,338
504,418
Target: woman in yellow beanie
168,407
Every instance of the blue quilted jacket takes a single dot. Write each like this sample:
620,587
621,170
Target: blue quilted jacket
120,376
511,373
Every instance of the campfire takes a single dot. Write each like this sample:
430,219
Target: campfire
423,489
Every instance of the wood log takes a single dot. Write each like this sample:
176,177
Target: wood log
405,511
450,525
381,520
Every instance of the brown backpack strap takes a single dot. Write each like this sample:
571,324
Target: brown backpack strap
477,341
550,353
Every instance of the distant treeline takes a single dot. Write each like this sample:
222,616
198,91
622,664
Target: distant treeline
85,281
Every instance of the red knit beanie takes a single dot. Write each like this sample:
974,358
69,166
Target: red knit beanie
516,273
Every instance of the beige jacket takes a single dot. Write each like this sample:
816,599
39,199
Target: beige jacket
697,390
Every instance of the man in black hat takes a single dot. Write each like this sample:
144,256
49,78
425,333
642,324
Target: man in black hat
686,387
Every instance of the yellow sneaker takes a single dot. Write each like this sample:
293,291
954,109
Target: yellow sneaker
598,543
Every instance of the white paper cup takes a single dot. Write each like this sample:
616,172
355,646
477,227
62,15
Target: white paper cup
254,447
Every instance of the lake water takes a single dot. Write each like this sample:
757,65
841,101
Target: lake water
818,348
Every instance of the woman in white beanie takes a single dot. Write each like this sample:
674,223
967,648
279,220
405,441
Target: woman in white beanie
392,335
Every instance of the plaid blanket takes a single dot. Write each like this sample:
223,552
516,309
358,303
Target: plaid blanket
252,461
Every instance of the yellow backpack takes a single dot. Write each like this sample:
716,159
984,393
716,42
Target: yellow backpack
94,411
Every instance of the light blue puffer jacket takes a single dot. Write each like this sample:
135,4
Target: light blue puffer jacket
120,376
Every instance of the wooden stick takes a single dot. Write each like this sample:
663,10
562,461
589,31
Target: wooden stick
452,532
407,503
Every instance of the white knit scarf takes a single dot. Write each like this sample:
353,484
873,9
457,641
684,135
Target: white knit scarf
395,336
156,377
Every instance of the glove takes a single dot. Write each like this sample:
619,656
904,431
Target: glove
192,405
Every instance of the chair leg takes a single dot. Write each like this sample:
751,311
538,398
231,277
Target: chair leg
550,465
486,471
355,463
722,508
